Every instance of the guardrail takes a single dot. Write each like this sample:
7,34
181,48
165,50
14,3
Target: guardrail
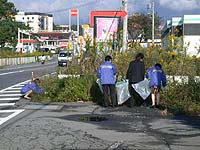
182,79
20,60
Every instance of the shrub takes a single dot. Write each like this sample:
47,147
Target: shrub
182,98
71,89
8,53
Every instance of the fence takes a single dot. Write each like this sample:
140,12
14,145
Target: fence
19,60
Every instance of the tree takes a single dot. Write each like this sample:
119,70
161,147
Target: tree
8,26
7,31
140,25
7,9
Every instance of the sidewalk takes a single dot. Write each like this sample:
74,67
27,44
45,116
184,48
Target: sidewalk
89,126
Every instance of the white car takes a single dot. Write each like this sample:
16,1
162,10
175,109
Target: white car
53,51
64,57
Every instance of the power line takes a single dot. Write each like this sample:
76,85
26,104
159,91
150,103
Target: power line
77,6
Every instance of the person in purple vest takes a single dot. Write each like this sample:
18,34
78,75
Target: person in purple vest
30,88
157,78
107,74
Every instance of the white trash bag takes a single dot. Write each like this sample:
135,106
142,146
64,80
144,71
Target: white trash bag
142,88
99,84
122,92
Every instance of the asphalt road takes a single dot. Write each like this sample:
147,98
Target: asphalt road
11,75
73,126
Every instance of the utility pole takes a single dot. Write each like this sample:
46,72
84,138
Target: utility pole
18,36
69,21
125,25
77,22
152,21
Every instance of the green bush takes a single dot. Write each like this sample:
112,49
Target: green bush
8,53
70,89
182,98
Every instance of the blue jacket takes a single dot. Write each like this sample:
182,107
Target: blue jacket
106,72
31,86
156,76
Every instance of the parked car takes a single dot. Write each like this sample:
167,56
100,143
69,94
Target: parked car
44,49
53,51
64,57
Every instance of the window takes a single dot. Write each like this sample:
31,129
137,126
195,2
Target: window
23,18
191,29
32,18
63,54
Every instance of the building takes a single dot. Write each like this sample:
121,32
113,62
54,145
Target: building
37,21
49,40
187,31
27,46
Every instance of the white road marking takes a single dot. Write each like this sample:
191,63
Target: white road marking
11,93
7,104
10,99
6,73
6,95
13,86
17,91
14,113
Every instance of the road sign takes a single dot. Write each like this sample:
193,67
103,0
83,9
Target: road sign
73,12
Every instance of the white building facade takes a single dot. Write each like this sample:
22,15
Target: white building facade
188,28
37,21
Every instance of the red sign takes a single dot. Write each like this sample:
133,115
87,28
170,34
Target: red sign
73,12
106,14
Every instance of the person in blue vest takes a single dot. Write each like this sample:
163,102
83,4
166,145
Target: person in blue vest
107,74
157,78
30,88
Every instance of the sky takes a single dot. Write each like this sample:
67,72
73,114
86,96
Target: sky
60,8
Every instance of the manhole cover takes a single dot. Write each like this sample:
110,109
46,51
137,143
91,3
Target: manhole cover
93,118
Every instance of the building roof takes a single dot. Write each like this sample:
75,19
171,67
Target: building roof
52,32
28,41
38,13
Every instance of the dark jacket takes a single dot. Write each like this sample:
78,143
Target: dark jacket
136,71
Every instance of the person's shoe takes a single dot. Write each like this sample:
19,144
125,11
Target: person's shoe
153,106
158,106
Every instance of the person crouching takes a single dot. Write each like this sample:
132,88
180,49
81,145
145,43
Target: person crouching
30,88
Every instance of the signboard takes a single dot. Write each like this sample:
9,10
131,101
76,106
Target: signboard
114,13
106,28
73,12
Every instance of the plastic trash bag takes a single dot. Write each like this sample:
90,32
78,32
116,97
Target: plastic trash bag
99,84
142,88
122,92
